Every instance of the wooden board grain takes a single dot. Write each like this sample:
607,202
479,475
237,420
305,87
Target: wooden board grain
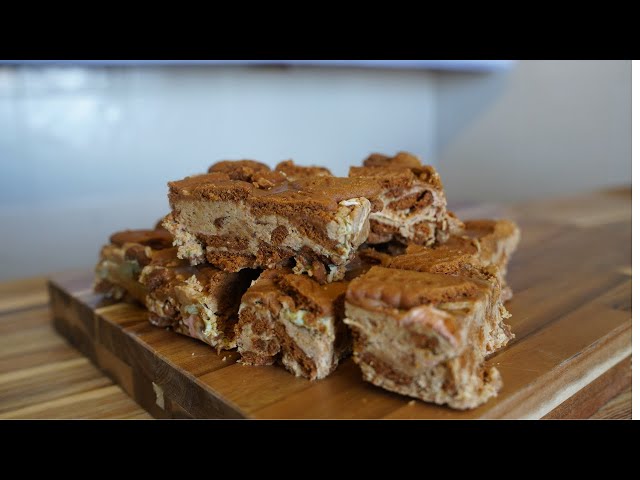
41,375
571,316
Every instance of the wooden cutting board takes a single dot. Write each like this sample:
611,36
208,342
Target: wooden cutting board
571,316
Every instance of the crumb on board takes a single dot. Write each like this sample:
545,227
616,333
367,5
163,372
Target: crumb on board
224,359
193,353
412,403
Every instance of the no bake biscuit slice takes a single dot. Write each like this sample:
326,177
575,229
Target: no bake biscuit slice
489,243
450,260
470,256
314,223
121,261
494,242
414,207
293,320
423,334
198,301
486,243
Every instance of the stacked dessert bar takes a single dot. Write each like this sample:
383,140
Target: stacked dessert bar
199,301
295,266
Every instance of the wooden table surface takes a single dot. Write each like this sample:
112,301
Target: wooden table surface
42,376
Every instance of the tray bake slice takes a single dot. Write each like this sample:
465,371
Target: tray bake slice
425,334
247,217
198,301
117,272
293,320
414,206
488,243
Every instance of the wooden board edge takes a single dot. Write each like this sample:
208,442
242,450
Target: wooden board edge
205,402
591,398
563,383
72,320
80,325
76,323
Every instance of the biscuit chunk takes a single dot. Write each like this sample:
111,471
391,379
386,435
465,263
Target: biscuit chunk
414,207
485,243
293,171
494,242
294,320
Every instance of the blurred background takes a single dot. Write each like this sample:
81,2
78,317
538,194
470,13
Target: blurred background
86,149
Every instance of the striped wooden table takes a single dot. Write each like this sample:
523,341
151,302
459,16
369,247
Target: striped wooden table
41,376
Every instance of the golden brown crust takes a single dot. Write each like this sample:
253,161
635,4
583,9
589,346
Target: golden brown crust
375,256
401,159
293,171
398,169
478,244
397,179
157,239
234,166
305,195
497,239
384,287
449,258
248,171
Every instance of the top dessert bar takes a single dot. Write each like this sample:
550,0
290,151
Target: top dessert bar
243,215
414,207
413,204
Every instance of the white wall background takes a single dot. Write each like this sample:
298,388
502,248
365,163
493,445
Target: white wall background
545,128
86,152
